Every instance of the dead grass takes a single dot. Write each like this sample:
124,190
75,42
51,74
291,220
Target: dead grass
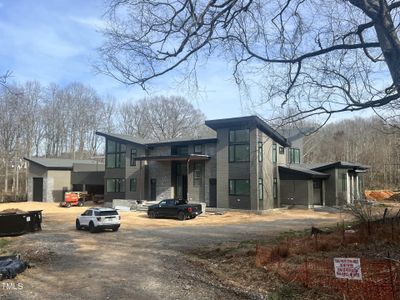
132,220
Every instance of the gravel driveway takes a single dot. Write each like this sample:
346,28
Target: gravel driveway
133,263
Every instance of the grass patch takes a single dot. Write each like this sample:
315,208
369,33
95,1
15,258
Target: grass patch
3,243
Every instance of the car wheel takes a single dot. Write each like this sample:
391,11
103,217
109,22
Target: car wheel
80,203
151,214
193,217
115,228
92,229
68,205
181,216
78,225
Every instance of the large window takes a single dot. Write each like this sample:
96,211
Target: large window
239,187
133,156
239,145
197,174
260,151
115,185
132,184
294,156
115,154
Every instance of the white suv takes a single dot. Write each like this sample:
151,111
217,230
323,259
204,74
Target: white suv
99,218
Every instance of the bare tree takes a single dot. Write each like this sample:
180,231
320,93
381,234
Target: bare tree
317,57
161,118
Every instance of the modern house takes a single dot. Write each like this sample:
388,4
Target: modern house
49,178
245,164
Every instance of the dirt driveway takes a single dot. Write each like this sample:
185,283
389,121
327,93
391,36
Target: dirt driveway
146,259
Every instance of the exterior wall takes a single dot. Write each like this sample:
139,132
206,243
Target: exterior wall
57,182
330,188
138,172
161,171
223,168
36,171
299,143
266,171
297,192
210,169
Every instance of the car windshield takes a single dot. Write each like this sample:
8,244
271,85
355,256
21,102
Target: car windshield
106,213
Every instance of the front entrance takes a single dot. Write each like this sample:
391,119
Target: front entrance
213,192
37,189
180,179
153,189
317,192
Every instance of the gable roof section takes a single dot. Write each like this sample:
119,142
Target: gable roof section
57,163
250,121
299,173
124,138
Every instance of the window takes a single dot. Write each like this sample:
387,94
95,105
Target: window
344,182
260,194
294,156
239,145
239,187
133,156
274,156
260,151
180,150
197,174
281,150
115,185
317,184
275,188
198,149
132,184
115,154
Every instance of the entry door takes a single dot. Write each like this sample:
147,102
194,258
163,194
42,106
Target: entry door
213,192
317,192
153,189
38,189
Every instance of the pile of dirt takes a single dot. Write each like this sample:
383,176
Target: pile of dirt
382,195
12,211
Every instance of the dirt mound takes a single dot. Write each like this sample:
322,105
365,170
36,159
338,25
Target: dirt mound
12,211
380,195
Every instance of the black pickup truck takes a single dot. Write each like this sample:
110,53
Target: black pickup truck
174,208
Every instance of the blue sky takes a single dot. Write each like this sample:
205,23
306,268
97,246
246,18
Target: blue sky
55,41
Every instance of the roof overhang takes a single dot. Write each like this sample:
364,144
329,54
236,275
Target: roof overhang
192,157
298,173
252,121
342,165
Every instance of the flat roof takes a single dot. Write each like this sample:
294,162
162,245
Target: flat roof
337,164
250,121
58,163
297,172
175,157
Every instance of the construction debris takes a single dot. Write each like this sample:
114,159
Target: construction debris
10,266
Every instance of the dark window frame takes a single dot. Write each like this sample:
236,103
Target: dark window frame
131,180
118,153
235,143
196,151
260,151
119,185
274,153
233,183
294,156
197,174
133,157
275,188
281,150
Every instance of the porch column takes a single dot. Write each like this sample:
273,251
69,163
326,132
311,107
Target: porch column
348,200
357,188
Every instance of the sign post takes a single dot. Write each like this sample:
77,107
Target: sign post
347,268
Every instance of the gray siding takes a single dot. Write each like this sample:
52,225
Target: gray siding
297,192
223,168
